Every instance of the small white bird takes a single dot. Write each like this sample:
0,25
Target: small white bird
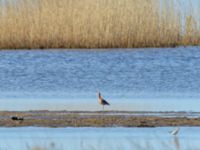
175,131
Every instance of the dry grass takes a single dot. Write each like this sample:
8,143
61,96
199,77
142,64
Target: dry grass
96,24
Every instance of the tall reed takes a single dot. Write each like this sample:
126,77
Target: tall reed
96,24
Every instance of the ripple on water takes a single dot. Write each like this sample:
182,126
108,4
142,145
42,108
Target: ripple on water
132,79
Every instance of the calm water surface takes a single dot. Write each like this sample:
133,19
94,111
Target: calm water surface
99,138
133,79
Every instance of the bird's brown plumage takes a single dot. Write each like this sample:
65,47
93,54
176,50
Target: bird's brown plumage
101,100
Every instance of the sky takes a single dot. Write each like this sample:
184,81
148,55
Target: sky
183,4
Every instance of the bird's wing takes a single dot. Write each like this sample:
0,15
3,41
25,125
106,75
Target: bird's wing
105,102
175,131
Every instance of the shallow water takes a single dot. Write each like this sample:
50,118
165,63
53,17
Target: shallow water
134,79
99,138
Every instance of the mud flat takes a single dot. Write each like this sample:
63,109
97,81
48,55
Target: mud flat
97,119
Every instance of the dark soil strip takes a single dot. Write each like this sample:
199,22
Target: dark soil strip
92,119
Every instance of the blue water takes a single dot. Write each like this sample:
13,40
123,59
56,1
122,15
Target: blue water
133,79
99,138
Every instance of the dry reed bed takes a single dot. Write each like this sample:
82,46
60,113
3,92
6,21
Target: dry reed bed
96,24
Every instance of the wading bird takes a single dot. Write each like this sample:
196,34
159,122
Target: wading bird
15,118
175,131
102,101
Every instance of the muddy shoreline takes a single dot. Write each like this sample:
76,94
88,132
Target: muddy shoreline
97,119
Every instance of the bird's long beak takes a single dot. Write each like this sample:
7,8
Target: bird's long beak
98,94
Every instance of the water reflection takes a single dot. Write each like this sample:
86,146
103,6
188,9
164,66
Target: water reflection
176,143
99,138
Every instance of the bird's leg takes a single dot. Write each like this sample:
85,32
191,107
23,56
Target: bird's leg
103,107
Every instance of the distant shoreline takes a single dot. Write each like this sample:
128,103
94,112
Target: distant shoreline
97,119
95,49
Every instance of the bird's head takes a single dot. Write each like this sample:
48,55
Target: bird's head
98,94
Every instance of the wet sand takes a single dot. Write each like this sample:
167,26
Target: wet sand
97,119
